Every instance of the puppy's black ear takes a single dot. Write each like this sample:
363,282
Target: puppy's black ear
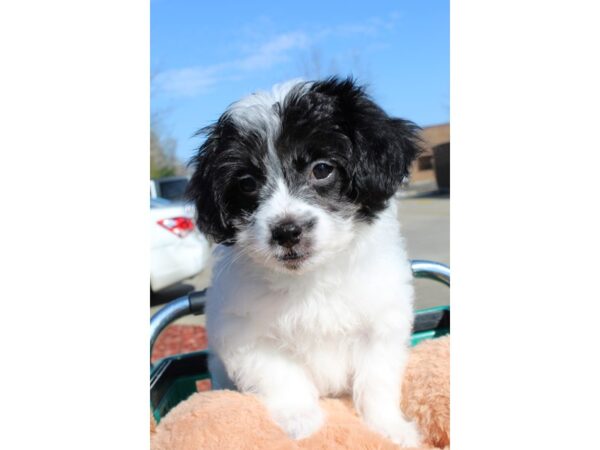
206,189
407,142
383,147
386,149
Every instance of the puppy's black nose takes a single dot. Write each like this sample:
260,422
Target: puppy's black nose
286,234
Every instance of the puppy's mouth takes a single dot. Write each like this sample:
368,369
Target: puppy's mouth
292,259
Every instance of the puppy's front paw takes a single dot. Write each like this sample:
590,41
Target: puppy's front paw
299,423
398,430
408,435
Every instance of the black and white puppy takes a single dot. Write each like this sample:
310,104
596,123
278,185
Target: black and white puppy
311,293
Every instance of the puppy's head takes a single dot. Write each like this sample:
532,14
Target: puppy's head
287,176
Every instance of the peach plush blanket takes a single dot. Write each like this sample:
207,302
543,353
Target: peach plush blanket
227,420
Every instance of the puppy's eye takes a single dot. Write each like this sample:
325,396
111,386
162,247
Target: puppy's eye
247,184
322,171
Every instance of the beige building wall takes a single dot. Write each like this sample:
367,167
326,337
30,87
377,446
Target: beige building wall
423,169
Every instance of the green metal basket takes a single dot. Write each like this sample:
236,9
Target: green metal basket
173,379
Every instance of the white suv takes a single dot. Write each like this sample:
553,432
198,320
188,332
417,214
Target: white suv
178,249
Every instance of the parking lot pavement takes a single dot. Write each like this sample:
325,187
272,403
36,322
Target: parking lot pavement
425,222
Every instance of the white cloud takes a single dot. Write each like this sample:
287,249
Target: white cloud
273,51
192,81
188,81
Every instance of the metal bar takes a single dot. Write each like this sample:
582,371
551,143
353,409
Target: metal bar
167,314
182,306
430,269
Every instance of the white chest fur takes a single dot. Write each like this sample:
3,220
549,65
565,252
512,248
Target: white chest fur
319,319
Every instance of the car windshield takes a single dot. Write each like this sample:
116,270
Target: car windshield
173,189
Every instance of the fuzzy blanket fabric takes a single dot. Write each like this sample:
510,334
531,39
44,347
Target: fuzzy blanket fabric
227,420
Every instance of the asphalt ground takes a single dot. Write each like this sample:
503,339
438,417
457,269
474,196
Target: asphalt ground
425,225
425,220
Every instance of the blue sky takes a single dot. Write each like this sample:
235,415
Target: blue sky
207,54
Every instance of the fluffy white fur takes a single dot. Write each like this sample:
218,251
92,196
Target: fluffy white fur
255,111
340,325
